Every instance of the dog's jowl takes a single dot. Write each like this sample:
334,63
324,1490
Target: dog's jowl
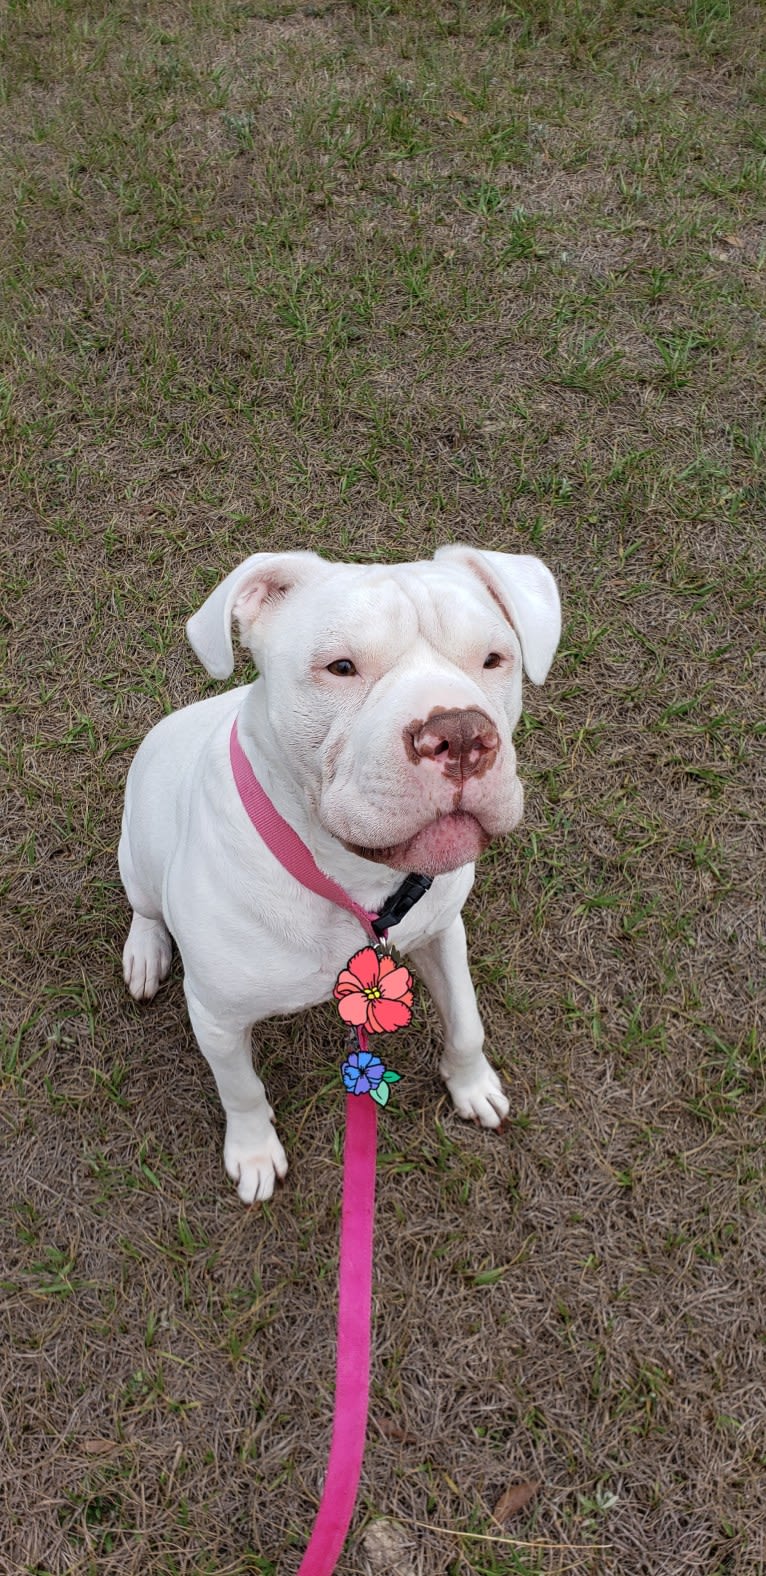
381,728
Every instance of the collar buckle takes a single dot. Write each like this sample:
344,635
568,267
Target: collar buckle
412,889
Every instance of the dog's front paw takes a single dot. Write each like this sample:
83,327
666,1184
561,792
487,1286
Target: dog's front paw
146,957
477,1094
253,1160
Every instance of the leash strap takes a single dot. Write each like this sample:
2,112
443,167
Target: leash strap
352,1371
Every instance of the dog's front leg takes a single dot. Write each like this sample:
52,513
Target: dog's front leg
252,1153
442,964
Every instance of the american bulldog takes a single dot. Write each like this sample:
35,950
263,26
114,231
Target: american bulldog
380,726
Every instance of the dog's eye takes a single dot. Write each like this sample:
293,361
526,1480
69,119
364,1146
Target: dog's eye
343,668
493,660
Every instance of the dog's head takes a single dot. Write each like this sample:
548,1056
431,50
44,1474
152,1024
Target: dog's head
393,691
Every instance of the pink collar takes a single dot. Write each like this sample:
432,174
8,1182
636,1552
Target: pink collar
283,842
296,858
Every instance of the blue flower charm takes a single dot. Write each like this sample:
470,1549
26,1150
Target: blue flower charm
362,1072
365,1073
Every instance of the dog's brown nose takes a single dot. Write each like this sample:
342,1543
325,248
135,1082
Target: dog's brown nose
461,742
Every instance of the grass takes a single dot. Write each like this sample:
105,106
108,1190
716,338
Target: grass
368,278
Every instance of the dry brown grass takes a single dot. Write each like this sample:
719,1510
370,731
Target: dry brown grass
369,278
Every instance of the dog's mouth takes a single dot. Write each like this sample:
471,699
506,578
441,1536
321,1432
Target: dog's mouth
444,844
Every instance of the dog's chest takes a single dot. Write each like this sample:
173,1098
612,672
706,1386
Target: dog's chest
288,957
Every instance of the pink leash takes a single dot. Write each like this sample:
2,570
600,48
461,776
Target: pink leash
352,1370
352,1373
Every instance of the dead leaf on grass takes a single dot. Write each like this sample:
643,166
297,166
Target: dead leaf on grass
515,1498
391,1430
100,1447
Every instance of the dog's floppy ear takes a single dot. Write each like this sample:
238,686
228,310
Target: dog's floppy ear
262,581
526,593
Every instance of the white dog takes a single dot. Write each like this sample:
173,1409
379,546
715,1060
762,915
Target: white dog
381,729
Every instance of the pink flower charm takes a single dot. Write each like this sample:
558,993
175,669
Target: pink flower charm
374,992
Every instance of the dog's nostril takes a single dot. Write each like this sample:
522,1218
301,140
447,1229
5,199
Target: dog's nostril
440,748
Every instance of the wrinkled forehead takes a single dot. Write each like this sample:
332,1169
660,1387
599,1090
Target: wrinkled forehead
393,605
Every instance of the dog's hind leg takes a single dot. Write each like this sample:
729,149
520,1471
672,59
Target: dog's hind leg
148,950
